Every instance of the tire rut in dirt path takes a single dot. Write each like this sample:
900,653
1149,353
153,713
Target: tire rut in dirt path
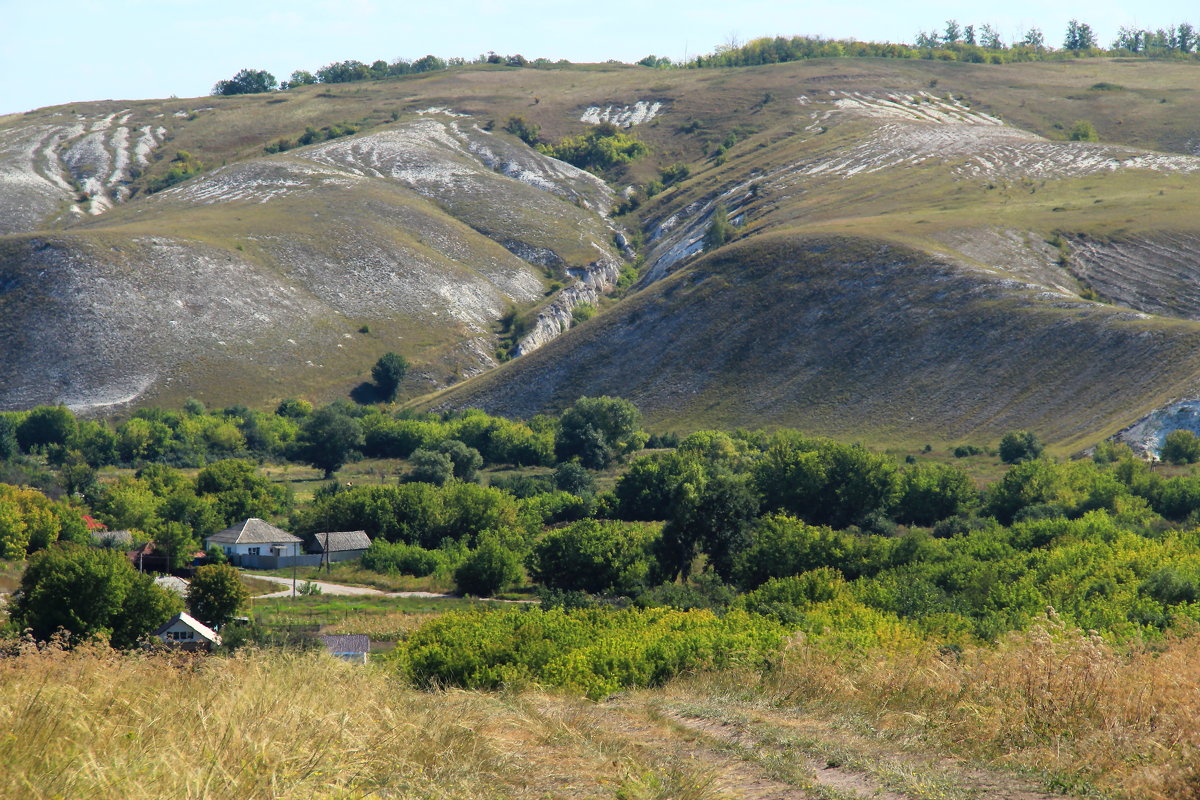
732,766
849,763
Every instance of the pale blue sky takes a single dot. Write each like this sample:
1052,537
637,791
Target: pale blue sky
72,50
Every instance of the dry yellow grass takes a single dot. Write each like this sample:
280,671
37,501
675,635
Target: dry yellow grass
99,724
1061,702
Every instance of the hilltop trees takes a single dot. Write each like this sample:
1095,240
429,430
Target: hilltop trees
247,81
1079,36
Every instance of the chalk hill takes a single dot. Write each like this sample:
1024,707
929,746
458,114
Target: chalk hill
920,253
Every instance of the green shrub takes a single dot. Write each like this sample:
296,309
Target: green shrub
488,569
1180,447
594,651
1018,446
405,559
603,147
594,556
1083,131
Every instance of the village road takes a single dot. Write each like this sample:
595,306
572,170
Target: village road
339,589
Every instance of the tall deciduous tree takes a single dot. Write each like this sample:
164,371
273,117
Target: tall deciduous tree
216,594
596,430
328,439
87,592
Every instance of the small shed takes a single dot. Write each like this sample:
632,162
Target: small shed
353,647
340,545
188,633
173,584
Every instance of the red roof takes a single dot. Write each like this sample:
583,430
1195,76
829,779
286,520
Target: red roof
93,524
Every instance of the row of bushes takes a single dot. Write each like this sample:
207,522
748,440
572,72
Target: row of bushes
592,651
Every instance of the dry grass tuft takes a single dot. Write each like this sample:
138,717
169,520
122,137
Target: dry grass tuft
101,724
1054,700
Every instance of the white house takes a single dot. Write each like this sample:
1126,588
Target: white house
188,633
253,538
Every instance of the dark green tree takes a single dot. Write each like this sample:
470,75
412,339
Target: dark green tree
712,518
238,490
1034,38
387,373
574,478
594,556
466,461
431,466
523,129
1079,36
719,230
328,439
215,594
1083,131
45,425
1180,447
489,568
8,436
1018,446
88,592
597,430
929,493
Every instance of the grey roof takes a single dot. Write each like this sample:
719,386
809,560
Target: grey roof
193,623
122,538
171,583
337,541
253,531
346,642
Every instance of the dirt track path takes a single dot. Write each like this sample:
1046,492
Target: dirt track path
733,750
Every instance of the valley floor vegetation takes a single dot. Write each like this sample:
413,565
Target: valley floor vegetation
1043,619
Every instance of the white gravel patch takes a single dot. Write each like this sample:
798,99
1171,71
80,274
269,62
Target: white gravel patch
639,113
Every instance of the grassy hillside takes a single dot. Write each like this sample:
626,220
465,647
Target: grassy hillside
434,234
856,338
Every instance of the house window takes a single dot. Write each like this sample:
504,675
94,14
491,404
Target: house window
255,550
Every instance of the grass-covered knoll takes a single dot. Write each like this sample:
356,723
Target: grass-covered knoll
855,338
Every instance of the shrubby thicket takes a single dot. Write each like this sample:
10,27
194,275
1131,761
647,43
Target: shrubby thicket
776,530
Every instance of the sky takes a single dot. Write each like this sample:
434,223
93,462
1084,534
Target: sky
76,50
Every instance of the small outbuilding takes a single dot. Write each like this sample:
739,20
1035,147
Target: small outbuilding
173,584
340,545
188,633
252,542
353,647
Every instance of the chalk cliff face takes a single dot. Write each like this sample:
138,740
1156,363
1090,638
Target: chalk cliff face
591,283
422,234
902,260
